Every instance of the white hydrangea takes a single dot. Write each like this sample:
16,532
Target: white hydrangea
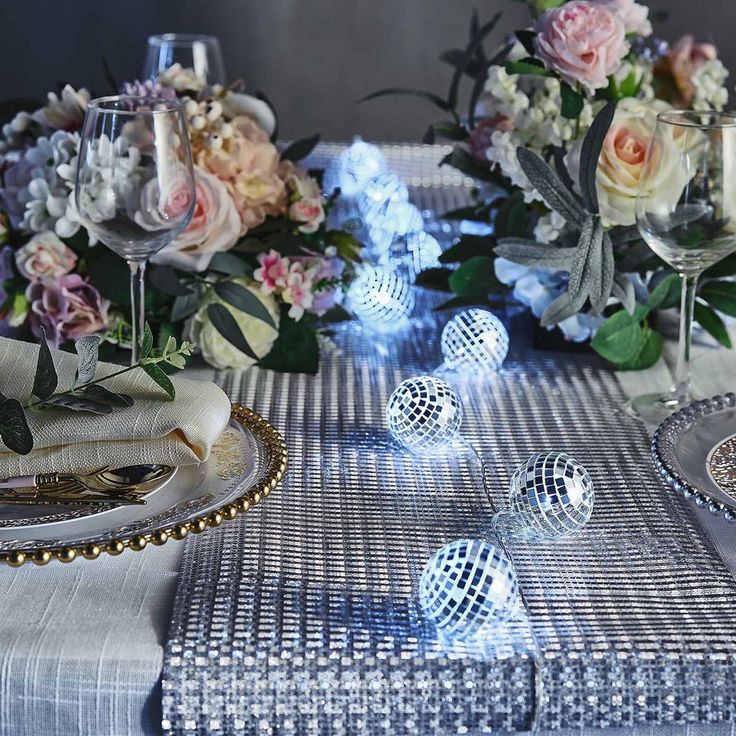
503,88
709,83
549,227
502,151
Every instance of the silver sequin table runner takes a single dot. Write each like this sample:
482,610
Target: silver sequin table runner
301,617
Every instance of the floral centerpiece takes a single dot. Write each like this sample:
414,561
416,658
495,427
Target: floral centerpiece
556,132
257,244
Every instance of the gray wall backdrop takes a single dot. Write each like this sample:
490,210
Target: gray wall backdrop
313,58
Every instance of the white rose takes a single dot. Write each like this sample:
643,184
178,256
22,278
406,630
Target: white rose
44,256
220,353
621,162
236,103
214,227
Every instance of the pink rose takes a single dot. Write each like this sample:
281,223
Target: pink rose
44,256
273,271
67,308
674,72
480,137
583,42
308,211
214,227
635,16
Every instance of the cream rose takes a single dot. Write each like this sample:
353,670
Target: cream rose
44,256
220,353
621,162
214,227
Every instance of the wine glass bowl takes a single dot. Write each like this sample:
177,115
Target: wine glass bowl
192,52
686,213
135,188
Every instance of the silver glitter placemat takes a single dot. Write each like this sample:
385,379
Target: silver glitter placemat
302,617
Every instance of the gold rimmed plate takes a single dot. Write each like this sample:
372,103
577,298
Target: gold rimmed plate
246,464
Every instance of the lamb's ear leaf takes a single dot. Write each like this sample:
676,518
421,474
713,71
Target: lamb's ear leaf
76,402
87,348
591,150
529,253
561,308
585,263
14,427
45,380
550,187
602,279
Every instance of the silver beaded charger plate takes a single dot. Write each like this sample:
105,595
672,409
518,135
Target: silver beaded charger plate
694,451
246,463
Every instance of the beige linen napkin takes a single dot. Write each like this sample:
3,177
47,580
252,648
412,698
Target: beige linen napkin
153,430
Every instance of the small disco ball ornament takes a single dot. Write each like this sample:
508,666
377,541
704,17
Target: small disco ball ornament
376,192
468,585
474,340
349,172
423,251
551,495
380,298
424,413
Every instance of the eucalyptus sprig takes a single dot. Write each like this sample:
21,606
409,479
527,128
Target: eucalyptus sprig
87,394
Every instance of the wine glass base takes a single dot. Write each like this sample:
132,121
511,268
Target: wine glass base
654,408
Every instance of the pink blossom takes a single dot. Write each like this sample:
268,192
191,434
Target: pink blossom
327,279
67,308
298,291
273,271
45,256
308,211
679,66
583,42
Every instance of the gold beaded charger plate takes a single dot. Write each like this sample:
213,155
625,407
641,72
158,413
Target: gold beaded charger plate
694,450
247,462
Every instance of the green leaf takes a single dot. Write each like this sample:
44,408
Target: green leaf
87,348
45,380
184,306
230,264
549,186
164,278
721,295
648,353
296,349
466,248
475,278
666,294
300,149
103,395
620,337
590,152
434,99
147,341
160,378
336,314
572,102
14,429
530,253
76,402
245,300
527,66
445,129
712,323
435,278
631,84
225,324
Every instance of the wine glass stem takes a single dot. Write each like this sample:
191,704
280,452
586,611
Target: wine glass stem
137,300
687,309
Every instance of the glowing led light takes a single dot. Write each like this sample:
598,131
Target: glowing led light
381,298
474,340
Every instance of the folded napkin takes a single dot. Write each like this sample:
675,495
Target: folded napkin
153,430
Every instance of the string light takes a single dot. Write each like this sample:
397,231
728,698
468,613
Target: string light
380,298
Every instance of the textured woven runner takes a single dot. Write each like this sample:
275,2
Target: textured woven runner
302,616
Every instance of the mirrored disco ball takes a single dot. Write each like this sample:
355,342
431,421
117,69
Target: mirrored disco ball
393,219
551,495
380,298
349,172
475,340
468,585
424,413
422,252
383,188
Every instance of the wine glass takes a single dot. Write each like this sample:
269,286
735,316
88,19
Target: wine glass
195,53
686,213
135,184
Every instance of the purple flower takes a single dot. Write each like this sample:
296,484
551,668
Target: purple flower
67,308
